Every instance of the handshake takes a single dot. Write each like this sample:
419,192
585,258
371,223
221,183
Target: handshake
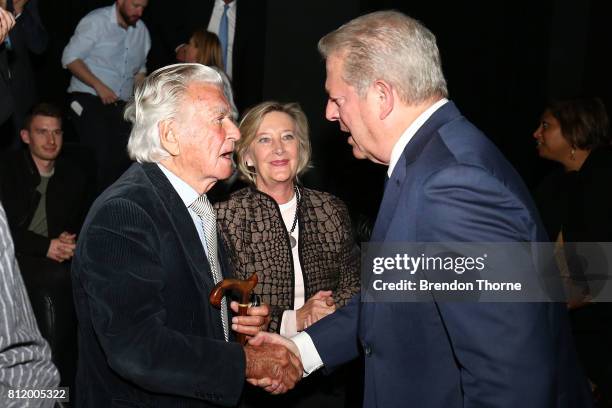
272,361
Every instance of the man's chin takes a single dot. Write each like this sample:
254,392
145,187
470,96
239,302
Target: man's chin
358,154
226,174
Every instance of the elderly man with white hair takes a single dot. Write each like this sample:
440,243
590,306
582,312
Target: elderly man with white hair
148,258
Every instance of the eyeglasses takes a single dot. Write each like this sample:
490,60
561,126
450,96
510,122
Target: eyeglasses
48,132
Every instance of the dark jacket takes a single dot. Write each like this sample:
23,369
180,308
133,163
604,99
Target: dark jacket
148,337
251,226
589,208
67,199
451,184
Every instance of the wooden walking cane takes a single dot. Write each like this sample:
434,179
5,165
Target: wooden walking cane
244,287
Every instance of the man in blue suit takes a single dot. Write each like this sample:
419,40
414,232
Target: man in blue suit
447,183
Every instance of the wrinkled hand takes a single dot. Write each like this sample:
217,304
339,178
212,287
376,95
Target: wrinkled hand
106,94
271,365
317,307
7,21
60,251
256,320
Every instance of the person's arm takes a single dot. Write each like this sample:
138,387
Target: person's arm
332,341
80,70
503,350
335,337
25,357
35,35
82,42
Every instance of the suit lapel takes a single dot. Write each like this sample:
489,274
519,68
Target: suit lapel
389,201
393,188
183,226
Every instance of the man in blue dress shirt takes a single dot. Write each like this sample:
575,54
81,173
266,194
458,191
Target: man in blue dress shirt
106,56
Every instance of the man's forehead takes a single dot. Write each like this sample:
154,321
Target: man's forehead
40,119
210,95
333,68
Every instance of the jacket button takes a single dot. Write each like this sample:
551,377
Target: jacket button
367,350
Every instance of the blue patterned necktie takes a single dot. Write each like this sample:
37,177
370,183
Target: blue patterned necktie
206,212
223,35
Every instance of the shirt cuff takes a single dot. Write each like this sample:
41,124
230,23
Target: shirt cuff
288,326
311,360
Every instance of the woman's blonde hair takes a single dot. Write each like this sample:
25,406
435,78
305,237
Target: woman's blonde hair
249,125
209,48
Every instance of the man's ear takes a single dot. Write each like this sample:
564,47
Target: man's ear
168,138
25,136
384,92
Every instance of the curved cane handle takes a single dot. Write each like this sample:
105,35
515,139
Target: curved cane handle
244,287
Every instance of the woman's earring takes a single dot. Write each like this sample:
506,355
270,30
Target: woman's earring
573,154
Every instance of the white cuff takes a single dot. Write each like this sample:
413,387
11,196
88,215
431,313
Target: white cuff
288,326
311,360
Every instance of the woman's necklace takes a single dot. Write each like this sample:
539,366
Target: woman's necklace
292,240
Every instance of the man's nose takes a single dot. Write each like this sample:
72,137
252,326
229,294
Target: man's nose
233,133
331,111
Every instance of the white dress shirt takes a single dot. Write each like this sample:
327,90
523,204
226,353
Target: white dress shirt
288,326
409,133
188,196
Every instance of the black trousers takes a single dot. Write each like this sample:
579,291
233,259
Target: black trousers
102,129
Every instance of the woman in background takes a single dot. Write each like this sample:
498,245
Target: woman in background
204,48
297,240
576,207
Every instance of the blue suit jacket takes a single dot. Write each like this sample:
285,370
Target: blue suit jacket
451,184
148,336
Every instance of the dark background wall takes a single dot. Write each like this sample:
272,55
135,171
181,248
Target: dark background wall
503,60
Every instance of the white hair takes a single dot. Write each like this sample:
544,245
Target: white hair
156,99
390,46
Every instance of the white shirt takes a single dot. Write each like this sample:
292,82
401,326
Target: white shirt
215,22
288,326
188,196
311,360
406,137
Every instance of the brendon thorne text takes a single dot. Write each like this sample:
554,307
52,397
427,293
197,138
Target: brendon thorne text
455,285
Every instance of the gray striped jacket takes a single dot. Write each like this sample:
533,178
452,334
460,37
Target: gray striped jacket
25,356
